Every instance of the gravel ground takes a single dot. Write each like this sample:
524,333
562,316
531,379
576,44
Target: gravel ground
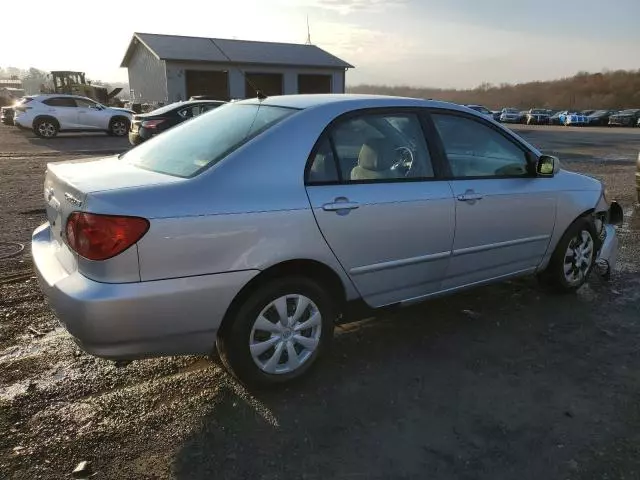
15,142
500,382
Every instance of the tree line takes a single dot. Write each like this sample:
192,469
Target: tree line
606,90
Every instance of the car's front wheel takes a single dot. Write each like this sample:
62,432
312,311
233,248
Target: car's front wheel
119,127
46,128
574,257
278,333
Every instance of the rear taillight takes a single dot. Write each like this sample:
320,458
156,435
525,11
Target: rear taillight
99,237
151,123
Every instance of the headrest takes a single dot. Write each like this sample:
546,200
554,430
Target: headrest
376,154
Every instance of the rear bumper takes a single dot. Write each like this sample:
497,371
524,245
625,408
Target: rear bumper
135,320
139,136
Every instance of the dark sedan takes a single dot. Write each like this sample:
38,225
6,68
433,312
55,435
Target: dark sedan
146,125
600,118
6,115
625,118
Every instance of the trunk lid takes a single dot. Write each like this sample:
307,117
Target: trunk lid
88,176
68,186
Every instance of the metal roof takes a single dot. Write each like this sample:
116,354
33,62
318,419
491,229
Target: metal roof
200,49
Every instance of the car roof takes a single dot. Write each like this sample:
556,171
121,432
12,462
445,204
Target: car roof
348,100
57,95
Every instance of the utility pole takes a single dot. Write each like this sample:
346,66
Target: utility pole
308,42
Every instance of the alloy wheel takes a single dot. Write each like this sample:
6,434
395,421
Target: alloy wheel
119,128
47,129
578,258
285,334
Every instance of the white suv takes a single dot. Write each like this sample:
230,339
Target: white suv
49,114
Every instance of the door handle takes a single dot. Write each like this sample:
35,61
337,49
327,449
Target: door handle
470,196
340,203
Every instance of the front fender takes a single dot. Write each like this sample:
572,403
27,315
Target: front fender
573,204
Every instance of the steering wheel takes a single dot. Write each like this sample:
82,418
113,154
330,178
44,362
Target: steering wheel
404,160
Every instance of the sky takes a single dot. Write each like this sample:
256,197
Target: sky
430,43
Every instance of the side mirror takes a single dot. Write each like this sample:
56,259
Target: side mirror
547,166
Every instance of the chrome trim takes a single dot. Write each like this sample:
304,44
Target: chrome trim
72,200
493,246
420,298
376,267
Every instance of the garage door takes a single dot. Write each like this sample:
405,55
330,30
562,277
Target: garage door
314,83
203,82
268,83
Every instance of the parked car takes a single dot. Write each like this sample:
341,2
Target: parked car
496,114
625,118
574,119
254,226
482,110
555,118
638,176
599,118
6,115
49,114
204,97
523,116
146,125
510,115
537,116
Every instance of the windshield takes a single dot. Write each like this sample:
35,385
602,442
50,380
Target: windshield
538,111
511,110
22,101
629,112
597,113
190,148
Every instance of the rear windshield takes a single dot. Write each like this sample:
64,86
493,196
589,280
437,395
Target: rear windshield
193,146
165,109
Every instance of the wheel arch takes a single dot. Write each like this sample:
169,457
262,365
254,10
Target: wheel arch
44,116
324,275
558,234
118,116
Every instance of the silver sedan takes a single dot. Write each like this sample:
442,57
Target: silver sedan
252,227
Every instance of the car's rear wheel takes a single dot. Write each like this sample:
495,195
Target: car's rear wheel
278,333
574,257
119,127
46,128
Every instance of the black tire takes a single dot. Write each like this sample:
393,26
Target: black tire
234,338
46,127
119,127
554,275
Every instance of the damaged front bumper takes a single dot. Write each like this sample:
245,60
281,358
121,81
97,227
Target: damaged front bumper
608,254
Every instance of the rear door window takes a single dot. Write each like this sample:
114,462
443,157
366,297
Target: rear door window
60,102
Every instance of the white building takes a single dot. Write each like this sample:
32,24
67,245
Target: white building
169,68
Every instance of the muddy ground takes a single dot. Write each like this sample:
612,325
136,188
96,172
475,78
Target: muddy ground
501,382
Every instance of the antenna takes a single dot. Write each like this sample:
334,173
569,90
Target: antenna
260,95
308,42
